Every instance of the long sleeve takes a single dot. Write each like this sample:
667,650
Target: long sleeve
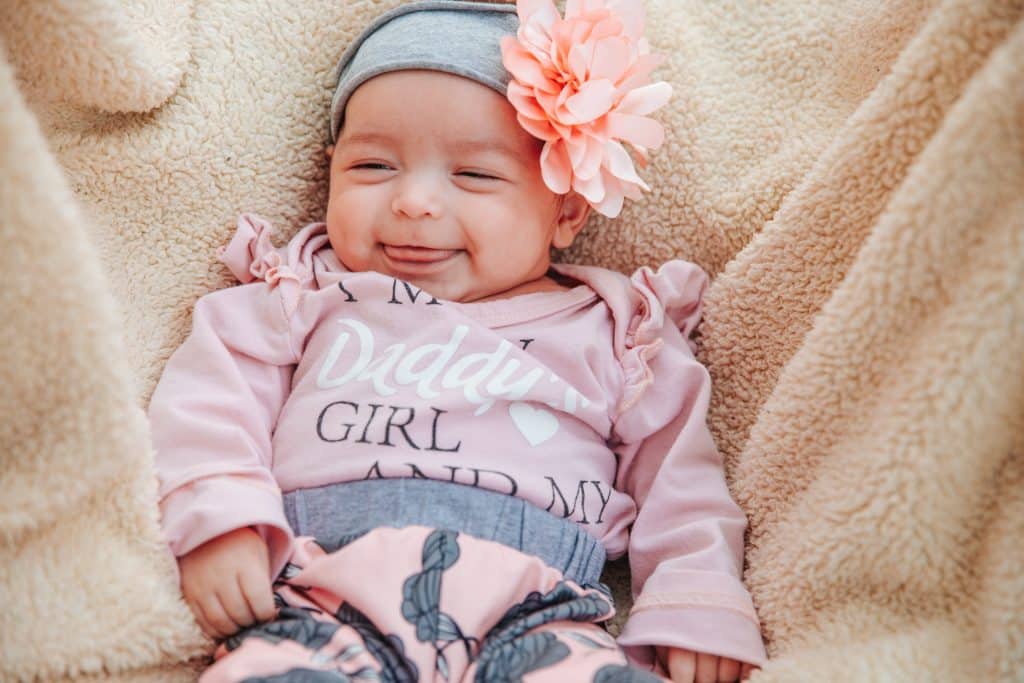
212,417
686,545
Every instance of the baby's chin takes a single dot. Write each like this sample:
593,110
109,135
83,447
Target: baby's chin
463,290
425,289
447,291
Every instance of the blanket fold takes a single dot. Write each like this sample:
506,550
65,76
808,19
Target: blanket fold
79,540
108,55
899,419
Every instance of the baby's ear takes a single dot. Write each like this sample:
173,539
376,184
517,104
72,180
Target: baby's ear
571,218
329,151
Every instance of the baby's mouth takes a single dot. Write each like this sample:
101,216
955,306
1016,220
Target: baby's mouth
408,261
417,254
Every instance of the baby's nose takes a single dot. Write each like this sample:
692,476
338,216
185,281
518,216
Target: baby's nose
417,196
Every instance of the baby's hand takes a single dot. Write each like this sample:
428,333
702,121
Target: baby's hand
686,666
226,583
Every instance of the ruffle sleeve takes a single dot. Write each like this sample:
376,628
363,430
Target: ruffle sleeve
673,294
686,544
251,255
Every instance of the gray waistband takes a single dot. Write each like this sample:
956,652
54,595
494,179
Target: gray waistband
336,514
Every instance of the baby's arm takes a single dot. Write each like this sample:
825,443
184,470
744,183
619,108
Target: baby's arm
212,417
686,546
226,582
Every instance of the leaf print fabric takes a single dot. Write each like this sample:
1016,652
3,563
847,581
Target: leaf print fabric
292,623
422,591
302,676
513,660
419,604
562,603
624,674
386,649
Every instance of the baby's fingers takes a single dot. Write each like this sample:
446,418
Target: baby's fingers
217,623
707,668
236,607
204,624
728,670
259,594
681,665
219,618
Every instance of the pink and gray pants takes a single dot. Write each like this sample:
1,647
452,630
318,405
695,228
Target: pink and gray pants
443,586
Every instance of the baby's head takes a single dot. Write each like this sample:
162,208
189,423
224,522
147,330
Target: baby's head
436,177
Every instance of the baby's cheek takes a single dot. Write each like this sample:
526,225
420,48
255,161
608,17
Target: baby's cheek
354,254
346,244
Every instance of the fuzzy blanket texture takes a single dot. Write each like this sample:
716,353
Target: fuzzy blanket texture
851,173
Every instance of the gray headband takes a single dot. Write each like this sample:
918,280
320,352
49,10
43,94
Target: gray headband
454,36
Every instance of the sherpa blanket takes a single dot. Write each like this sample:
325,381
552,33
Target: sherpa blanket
852,174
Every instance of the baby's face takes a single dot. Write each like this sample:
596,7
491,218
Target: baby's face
434,182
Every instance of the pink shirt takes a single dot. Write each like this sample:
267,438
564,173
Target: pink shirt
588,403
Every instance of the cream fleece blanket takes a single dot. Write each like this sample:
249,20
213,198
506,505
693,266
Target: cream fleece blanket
852,173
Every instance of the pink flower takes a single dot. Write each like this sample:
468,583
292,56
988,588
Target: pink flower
582,84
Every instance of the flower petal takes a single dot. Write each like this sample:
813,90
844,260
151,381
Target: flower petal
640,153
581,31
591,189
631,14
538,128
580,57
547,101
536,39
636,130
523,66
634,192
542,12
606,28
610,59
585,154
611,204
523,99
555,167
639,73
590,165
561,38
595,10
620,165
593,99
539,52
645,100
575,8
562,129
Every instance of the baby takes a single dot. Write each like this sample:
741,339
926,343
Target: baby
404,448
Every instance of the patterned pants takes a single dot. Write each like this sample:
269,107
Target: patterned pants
419,604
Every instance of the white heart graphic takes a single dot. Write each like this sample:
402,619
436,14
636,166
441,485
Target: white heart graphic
536,424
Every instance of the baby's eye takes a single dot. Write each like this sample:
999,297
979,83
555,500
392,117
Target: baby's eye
478,175
373,166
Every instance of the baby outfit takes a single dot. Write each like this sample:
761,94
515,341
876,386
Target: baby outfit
374,434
